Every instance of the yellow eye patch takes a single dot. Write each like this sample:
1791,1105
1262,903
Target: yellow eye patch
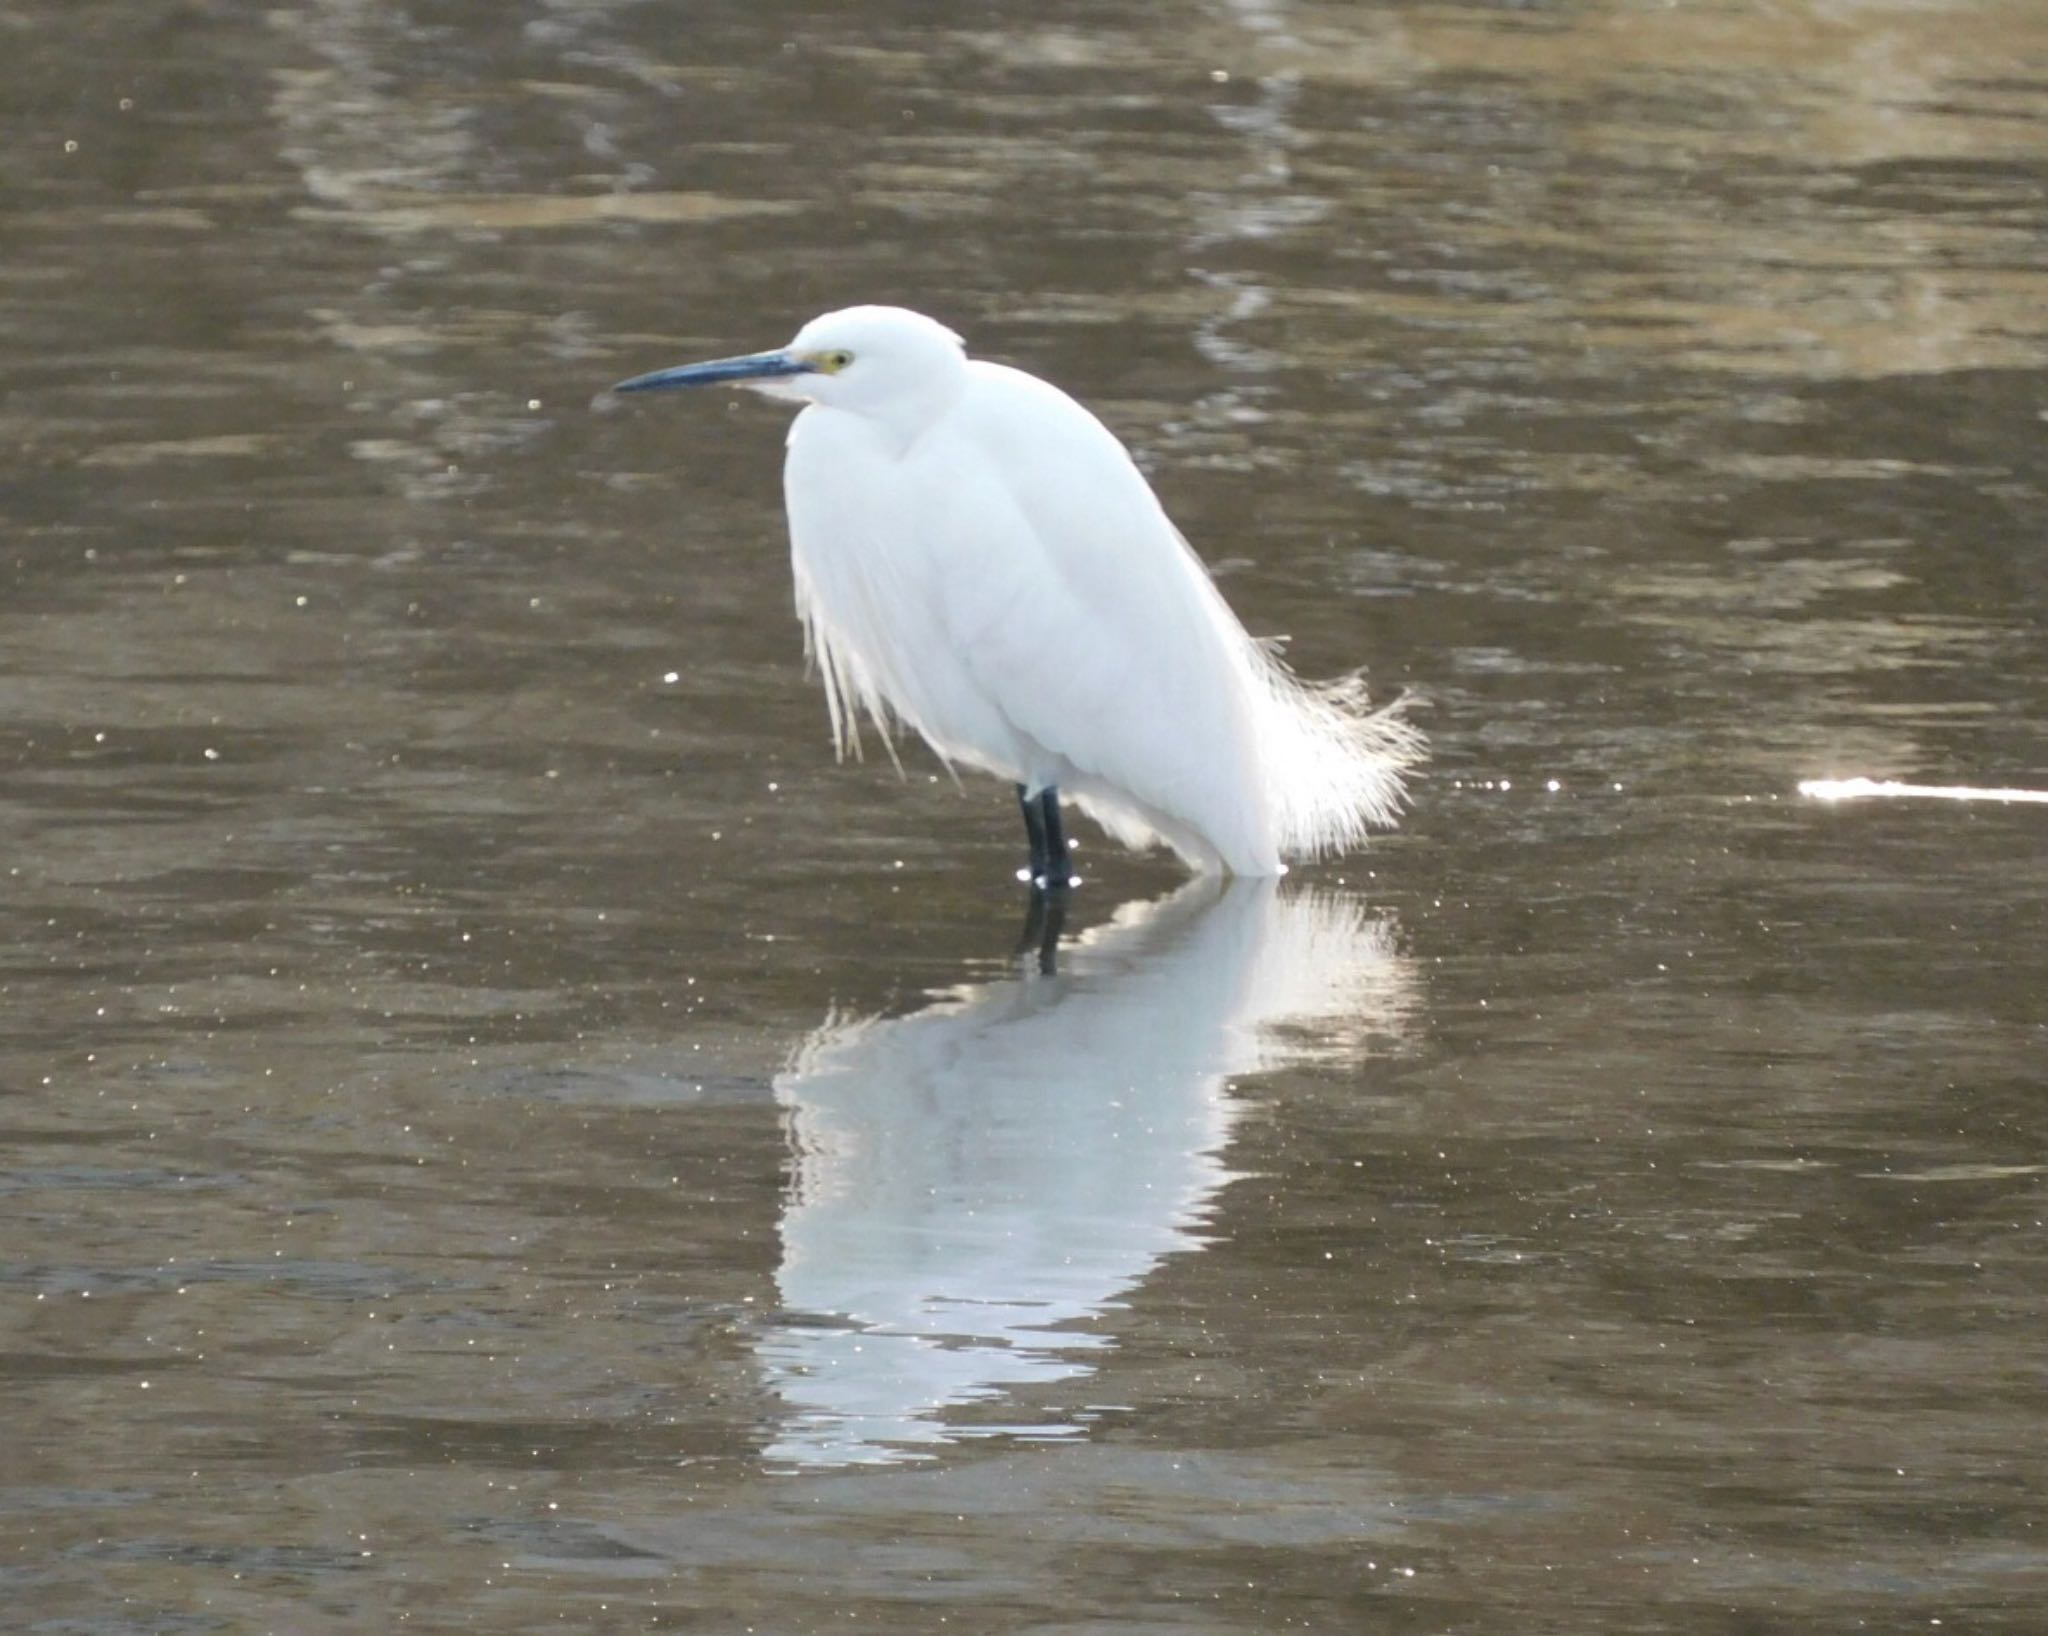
833,361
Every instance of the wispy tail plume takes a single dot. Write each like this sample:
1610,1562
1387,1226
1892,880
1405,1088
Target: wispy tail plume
1337,767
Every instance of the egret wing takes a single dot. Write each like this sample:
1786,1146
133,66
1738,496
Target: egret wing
1079,608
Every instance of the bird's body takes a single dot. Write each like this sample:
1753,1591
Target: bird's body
977,556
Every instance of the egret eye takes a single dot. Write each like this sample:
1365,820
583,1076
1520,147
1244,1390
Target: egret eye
835,360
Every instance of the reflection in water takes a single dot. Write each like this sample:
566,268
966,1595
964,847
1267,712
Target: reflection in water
1659,387
973,1180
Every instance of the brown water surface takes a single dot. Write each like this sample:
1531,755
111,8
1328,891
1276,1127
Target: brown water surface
498,1133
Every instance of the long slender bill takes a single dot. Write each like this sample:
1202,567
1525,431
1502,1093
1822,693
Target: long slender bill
754,366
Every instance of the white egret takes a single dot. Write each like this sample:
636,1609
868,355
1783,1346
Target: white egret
977,556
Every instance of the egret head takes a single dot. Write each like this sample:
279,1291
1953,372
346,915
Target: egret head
868,360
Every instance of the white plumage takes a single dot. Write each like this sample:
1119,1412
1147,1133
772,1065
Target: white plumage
977,556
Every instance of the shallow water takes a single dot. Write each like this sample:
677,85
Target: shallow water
499,1133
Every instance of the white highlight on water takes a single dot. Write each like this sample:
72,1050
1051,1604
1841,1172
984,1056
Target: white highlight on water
1858,789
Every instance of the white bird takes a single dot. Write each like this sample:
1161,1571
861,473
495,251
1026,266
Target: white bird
977,556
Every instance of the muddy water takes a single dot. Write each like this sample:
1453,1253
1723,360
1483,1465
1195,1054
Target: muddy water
498,1133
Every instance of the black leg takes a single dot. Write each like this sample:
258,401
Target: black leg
1050,869
1034,833
1058,871
1051,875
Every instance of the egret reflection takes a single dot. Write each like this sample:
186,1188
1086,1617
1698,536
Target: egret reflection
976,1184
